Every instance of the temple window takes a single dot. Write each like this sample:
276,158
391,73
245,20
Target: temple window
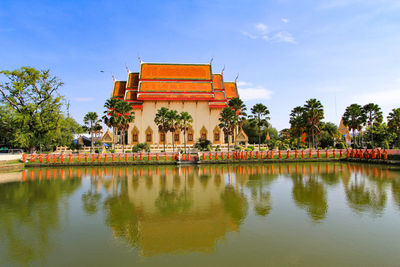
176,137
190,137
203,136
134,137
162,137
216,137
149,135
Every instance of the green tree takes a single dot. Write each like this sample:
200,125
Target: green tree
111,117
31,96
297,123
173,123
354,118
91,119
374,116
260,118
228,121
184,122
314,113
161,120
239,107
329,135
125,116
394,122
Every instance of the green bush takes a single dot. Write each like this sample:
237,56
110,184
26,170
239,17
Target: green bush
96,151
128,151
203,145
238,148
217,148
248,149
263,149
112,150
251,147
141,147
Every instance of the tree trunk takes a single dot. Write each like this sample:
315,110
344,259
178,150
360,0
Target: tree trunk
354,140
298,142
91,138
165,137
123,141
173,143
228,143
259,139
184,139
113,129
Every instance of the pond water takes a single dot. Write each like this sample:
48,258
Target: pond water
282,214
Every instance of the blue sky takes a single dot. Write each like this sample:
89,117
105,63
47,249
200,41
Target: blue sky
285,51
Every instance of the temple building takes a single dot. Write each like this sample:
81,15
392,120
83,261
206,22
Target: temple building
183,87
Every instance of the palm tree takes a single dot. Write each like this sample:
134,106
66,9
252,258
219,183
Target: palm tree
374,116
161,120
297,125
110,117
314,113
125,117
354,118
228,121
239,107
91,121
185,119
260,118
394,122
173,121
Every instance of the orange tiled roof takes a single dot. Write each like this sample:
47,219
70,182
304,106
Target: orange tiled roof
175,82
172,87
175,71
130,95
133,80
184,96
217,82
119,89
231,90
219,96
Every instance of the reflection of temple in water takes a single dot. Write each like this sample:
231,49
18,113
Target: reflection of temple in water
177,210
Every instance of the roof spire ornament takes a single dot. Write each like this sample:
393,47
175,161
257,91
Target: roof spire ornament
112,75
222,71
237,77
211,60
127,69
140,60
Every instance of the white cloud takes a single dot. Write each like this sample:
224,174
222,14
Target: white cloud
261,28
243,83
255,93
262,31
285,37
84,99
285,20
251,36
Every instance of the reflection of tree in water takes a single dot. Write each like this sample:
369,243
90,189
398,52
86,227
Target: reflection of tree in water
172,202
235,204
361,198
90,200
204,180
310,195
29,214
261,200
396,191
330,178
123,217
